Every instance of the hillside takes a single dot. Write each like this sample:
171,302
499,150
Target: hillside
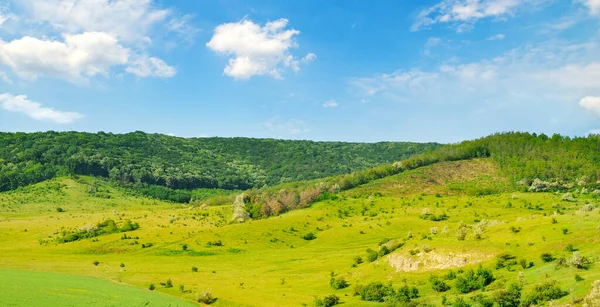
139,159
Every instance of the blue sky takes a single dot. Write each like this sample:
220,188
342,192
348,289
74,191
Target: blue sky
443,70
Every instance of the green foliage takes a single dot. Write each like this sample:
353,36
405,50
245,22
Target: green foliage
433,217
103,228
547,257
169,283
474,280
505,260
151,287
372,255
206,298
338,283
137,159
375,292
96,262
544,292
438,285
309,236
327,301
510,297
194,269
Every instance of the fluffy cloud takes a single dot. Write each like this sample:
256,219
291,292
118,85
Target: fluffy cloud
35,110
128,20
150,67
309,57
464,13
256,50
77,58
593,6
591,103
330,104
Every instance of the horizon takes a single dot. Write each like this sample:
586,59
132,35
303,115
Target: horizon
440,71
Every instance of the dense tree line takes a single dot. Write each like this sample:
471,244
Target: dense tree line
141,160
522,157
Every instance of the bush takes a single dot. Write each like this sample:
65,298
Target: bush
450,276
545,292
169,283
358,260
339,283
184,247
474,280
547,257
96,263
309,236
510,297
570,248
371,255
505,261
122,265
194,269
438,285
59,209
151,287
578,261
404,295
383,251
375,292
327,301
206,298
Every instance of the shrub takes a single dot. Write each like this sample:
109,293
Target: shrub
570,248
184,247
358,260
59,209
579,261
206,298
169,283
565,231
461,233
327,301
438,285
547,257
194,269
309,236
523,263
578,278
567,197
404,295
96,263
474,280
450,276
371,255
383,251
151,287
505,260
122,265
375,292
593,299
545,292
510,297
338,283
481,300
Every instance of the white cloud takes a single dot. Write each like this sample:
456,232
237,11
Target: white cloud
150,67
280,126
128,20
592,5
591,103
557,74
464,13
330,104
77,58
497,37
309,57
35,110
255,50
594,132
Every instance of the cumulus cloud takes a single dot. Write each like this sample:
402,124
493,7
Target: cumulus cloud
35,110
591,103
330,104
309,57
78,57
150,67
464,13
256,50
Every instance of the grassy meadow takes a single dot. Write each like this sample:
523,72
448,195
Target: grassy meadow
268,262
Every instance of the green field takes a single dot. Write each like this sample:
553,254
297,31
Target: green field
266,262
54,289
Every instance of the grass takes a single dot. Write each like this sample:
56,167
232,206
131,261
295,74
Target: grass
22,288
268,263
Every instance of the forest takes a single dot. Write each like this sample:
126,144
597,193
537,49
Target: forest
153,162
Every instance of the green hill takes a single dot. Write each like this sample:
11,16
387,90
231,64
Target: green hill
139,159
